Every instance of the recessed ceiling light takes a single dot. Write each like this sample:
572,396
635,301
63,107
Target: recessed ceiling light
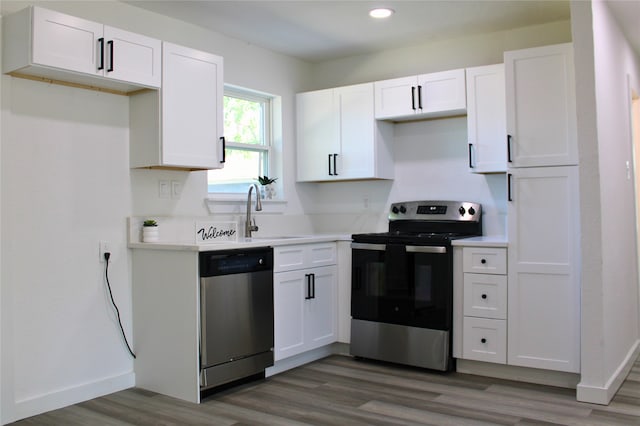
381,13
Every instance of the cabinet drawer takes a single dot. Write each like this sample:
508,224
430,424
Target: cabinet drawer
485,340
485,296
484,260
301,256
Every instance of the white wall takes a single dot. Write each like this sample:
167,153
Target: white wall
604,61
66,184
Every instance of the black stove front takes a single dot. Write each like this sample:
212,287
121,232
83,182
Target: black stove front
402,283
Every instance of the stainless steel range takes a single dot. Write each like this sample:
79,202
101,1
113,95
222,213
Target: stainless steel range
402,283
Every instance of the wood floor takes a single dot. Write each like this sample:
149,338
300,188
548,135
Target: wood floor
342,391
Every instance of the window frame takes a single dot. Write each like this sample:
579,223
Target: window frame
267,102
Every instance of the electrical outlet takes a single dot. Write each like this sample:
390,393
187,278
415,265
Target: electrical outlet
105,247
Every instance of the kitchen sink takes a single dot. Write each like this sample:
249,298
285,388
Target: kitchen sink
276,237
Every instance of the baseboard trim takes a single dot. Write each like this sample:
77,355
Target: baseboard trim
52,401
520,374
307,357
604,394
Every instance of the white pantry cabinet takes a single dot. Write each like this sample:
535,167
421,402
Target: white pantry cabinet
339,138
486,119
180,126
52,45
305,298
542,223
428,95
541,106
543,268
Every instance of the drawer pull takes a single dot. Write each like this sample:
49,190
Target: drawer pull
483,340
483,261
484,296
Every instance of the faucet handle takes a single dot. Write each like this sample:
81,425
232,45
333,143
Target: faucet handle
254,227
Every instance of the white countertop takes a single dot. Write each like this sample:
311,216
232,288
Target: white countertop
242,243
484,241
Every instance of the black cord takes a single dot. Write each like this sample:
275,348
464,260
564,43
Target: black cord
106,275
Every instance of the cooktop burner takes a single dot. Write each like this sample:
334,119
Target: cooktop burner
428,222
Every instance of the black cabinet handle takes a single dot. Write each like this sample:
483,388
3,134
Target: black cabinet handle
413,98
224,149
110,43
509,149
312,278
101,43
470,163
483,340
330,173
509,197
308,279
420,97
335,169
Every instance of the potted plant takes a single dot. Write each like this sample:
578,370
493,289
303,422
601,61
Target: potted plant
150,232
268,188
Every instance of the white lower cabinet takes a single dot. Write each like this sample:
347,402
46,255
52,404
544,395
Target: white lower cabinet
305,298
485,340
484,304
544,284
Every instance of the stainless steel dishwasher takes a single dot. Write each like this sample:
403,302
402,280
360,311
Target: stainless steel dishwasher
236,308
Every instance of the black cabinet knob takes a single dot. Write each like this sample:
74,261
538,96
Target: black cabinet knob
483,261
483,340
484,296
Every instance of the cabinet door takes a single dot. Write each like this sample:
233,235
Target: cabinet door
396,98
321,325
357,153
66,42
543,286
541,109
131,57
289,292
192,95
318,135
442,93
486,119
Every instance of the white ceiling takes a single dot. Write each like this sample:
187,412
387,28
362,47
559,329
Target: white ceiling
316,30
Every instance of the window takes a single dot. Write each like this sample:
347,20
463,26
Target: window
247,130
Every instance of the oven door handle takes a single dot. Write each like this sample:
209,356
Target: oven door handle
366,246
426,249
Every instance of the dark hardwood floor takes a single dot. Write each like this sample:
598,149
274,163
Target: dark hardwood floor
342,391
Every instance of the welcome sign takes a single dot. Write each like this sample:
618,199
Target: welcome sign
214,232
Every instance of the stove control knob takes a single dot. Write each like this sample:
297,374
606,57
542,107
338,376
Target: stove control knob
394,210
472,211
462,211
403,209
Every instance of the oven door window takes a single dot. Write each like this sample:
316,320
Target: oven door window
401,286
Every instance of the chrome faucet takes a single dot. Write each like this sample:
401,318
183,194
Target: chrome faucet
249,228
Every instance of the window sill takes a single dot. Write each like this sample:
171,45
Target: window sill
234,204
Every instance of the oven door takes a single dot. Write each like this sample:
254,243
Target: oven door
402,284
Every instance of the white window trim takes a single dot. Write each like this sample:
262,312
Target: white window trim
235,203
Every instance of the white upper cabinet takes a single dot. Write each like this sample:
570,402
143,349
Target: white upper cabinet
43,43
486,119
428,95
339,138
180,127
541,108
